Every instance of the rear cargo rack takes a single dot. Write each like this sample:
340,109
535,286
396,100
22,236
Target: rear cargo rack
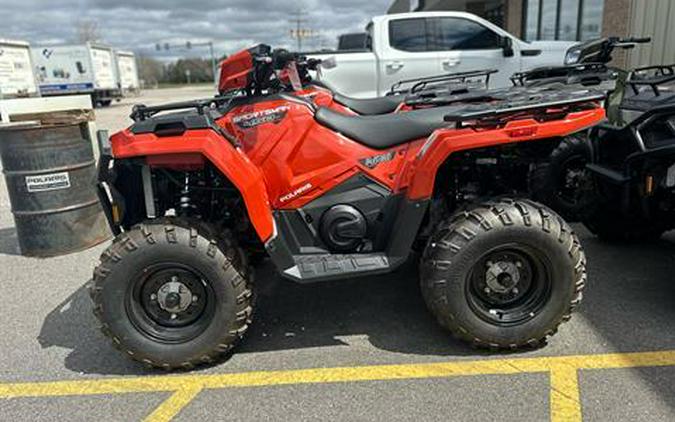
651,76
586,72
495,107
420,85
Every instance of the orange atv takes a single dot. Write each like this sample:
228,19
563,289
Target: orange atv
194,191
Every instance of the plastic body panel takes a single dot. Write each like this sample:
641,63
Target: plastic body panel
285,159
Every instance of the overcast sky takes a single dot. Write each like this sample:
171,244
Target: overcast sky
231,24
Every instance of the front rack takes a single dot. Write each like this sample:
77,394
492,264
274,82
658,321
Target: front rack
418,85
141,112
651,76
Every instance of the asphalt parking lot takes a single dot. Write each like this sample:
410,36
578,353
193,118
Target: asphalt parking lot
361,349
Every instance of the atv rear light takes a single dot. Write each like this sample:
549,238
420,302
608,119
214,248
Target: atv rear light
649,185
115,211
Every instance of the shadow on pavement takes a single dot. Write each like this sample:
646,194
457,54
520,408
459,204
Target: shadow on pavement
71,325
9,242
388,310
629,304
630,299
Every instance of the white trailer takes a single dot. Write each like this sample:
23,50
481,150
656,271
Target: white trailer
78,69
127,72
16,70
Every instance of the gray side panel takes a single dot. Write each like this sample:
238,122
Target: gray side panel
653,18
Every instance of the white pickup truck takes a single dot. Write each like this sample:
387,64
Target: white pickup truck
414,45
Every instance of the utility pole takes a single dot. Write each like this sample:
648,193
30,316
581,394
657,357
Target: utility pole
213,63
300,32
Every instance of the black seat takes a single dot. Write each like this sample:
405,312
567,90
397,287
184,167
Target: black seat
387,130
364,106
370,106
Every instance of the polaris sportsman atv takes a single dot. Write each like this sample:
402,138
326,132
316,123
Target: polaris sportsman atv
193,190
618,177
563,182
633,161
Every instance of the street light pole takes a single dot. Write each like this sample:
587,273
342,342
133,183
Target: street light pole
213,63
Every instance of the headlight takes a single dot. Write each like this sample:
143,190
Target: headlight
572,56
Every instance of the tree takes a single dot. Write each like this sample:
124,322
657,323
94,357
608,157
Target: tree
150,71
200,70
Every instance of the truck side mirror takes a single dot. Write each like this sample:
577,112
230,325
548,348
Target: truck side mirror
507,46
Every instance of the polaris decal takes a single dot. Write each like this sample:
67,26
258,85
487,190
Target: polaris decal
295,193
249,120
46,182
372,162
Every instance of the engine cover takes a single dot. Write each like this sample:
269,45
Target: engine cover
343,228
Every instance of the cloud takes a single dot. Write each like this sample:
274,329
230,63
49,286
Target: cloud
231,24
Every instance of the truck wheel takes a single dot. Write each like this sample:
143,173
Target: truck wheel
170,296
563,183
503,274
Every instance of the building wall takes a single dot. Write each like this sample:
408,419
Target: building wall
514,17
498,12
655,19
616,22
399,6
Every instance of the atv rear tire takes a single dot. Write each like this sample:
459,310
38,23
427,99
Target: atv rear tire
563,183
503,274
170,296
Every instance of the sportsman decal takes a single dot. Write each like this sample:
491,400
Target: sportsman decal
249,120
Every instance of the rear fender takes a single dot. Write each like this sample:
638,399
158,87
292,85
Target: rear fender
445,142
231,161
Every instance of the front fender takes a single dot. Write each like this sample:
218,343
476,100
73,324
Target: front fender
234,165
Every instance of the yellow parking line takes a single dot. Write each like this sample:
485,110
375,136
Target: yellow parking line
564,393
174,404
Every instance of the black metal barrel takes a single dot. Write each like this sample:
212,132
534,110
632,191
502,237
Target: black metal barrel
51,179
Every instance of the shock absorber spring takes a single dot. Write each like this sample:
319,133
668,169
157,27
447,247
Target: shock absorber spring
185,200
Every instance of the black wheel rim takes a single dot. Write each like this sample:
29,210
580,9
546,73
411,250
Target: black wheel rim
572,185
170,302
509,285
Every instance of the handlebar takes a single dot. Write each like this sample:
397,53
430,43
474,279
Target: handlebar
636,40
600,50
270,66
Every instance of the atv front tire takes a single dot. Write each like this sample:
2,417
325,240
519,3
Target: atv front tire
503,274
171,296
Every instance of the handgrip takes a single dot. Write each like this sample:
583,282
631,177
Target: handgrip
637,40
